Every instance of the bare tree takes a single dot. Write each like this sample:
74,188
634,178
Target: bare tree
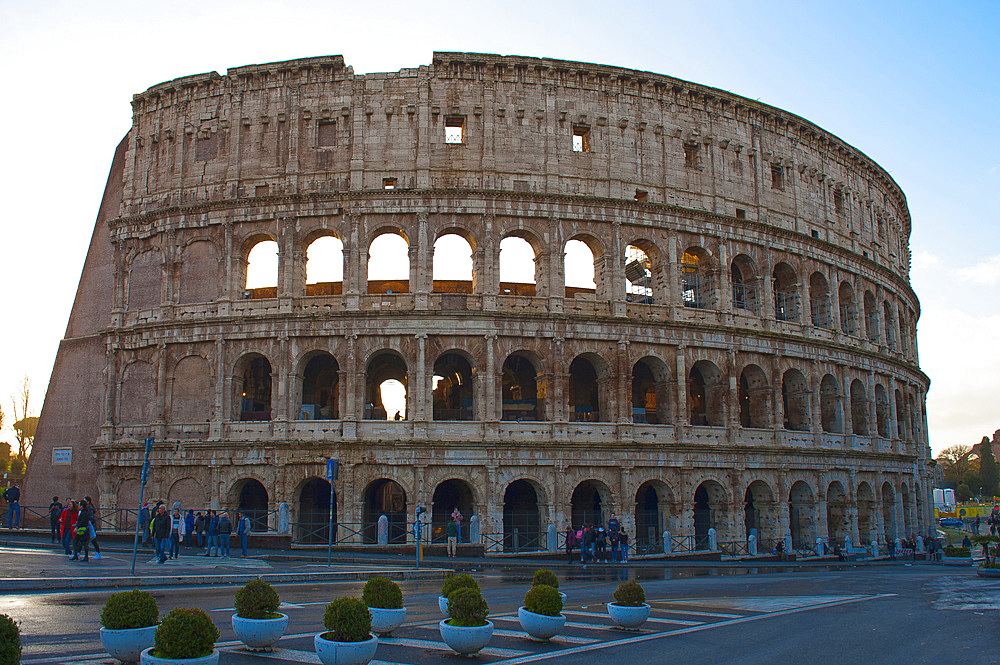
24,425
956,461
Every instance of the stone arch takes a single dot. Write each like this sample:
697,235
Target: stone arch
512,265
454,386
643,273
859,408
711,502
382,366
313,523
881,411
653,503
866,512
906,514
838,525
760,515
388,269
848,314
252,500
579,279
324,263
144,281
889,512
588,375
745,280
260,266
318,381
137,396
521,516
831,406
697,278
705,394
591,503
191,396
522,387
801,515
200,273
785,285
754,397
453,265
651,391
252,382
189,491
448,495
819,300
384,496
795,400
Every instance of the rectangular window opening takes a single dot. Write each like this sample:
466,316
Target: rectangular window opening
581,138
741,213
326,133
388,183
691,155
641,195
838,202
815,233
777,177
454,129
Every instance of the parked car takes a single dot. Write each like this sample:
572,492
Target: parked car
952,522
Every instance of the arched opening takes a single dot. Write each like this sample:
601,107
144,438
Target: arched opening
588,503
795,399
889,513
521,520
837,522
705,394
521,396
881,411
696,279
389,264
709,504
452,388
448,496
137,395
385,370
650,392
384,497
801,521
252,386
325,267
760,516
199,275
859,408
745,281
819,301
145,276
453,269
652,501
753,397
253,503
320,388
517,267
866,512
871,317
638,276
584,393
579,270
262,270
314,512
848,317
786,295
831,409
191,391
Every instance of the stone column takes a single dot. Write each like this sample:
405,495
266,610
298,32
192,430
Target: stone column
623,383
683,412
160,424
421,388
490,410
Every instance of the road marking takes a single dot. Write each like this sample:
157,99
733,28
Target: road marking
668,607
555,640
441,646
679,622
297,656
568,624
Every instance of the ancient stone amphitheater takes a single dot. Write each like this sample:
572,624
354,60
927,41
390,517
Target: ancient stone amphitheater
741,358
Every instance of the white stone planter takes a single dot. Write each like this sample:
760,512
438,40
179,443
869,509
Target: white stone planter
211,659
540,626
987,572
259,633
628,617
466,641
384,621
126,645
345,653
443,604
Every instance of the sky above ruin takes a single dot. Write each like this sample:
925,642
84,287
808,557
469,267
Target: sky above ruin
914,85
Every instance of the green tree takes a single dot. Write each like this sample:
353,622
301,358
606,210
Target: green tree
988,472
4,456
956,461
962,492
973,482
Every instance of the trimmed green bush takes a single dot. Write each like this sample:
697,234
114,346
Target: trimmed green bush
955,551
543,599
985,538
546,577
129,609
453,582
257,600
347,620
10,641
630,594
383,593
986,564
467,608
185,633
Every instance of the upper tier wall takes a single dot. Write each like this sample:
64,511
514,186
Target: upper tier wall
311,125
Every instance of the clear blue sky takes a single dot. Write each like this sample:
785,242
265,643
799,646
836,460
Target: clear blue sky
915,85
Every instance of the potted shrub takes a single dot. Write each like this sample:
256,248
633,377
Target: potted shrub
10,641
629,610
451,583
467,630
548,578
541,616
184,637
385,602
257,622
128,624
349,639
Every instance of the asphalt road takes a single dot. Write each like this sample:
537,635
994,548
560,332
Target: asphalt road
867,614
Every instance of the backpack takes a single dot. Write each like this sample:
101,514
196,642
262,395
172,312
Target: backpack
579,535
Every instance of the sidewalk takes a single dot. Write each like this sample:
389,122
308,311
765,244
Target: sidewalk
30,563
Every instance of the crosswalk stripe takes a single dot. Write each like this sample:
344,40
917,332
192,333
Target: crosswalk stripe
555,640
298,656
568,624
679,622
441,646
667,608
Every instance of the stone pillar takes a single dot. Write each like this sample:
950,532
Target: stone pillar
417,403
160,424
491,406
623,383
724,301
683,412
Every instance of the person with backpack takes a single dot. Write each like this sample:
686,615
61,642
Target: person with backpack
570,542
589,533
92,527
199,528
225,534
81,533
189,527
213,534
13,497
601,545
243,531
623,545
55,510
67,521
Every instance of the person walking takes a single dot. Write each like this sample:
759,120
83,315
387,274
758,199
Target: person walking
92,527
456,516
623,545
144,518
243,531
176,533
588,543
81,533
570,542
13,497
55,510
213,534
225,534
161,533
189,527
451,531
614,526
67,521
199,528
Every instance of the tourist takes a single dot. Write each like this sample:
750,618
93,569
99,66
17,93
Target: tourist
67,521
200,524
144,518
213,534
13,497
81,533
451,532
456,516
177,525
92,528
243,531
570,542
161,533
623,545
614,526
189,527
587,551
55,510
225,534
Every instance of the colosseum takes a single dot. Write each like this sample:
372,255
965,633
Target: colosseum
617,292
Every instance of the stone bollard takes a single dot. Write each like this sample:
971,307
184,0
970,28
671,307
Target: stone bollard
920,545
474,530
874,548
284,519
899,546
551,539
383,530
752,545
820,547
788,544
667,543
847,543
713,544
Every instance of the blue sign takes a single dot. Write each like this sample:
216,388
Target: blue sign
332,469
145,463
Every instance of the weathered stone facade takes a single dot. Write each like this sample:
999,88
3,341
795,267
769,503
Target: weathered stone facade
747,359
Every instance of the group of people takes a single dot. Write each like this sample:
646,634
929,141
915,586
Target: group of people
74,525
594,540
211,530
